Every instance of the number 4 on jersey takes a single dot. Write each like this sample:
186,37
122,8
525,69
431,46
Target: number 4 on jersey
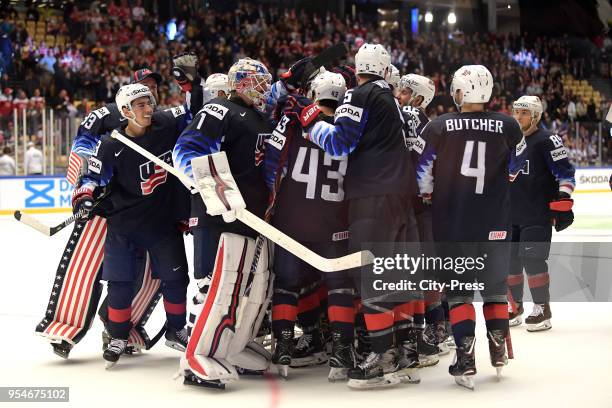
479,171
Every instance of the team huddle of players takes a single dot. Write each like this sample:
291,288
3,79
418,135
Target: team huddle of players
341,159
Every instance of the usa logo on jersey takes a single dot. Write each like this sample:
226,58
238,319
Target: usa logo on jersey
152,175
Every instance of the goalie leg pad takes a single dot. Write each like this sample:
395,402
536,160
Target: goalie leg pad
76,289
235,302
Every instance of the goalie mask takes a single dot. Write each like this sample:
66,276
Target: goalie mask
419,86
216,83
475,83
327,86
372,59
250,79
127,94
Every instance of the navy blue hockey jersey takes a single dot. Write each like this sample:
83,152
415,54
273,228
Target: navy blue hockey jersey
547,171
474,154
143,198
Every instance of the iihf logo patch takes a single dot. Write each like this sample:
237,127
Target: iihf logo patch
152,175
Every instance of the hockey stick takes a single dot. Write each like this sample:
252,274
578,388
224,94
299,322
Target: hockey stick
326,56
353,260
42,228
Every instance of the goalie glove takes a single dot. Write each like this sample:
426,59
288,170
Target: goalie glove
83,202
184,68
561,210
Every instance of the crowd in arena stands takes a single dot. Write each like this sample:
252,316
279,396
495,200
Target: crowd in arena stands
104,43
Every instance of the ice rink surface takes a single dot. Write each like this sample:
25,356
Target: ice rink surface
567,366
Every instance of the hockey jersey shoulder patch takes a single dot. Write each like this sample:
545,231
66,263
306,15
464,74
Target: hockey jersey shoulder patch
94,165
349,111
559,154
176,111
277,140
216,110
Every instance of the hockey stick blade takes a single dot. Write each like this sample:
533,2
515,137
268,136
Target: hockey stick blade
42,228
354,260
326,56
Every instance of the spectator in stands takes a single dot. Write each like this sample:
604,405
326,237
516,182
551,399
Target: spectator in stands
571,110
33,160
581,110
7,163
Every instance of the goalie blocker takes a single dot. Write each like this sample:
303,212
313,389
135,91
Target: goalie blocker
227,322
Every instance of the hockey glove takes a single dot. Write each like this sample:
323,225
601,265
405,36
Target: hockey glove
302,109
83,202
292,78
562,213
184,68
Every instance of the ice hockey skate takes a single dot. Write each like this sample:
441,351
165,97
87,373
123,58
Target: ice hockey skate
497,350
342,358
539,319
283,350
62,349
378,370
409,362
177,339
464,365
309,350
115,349
515,319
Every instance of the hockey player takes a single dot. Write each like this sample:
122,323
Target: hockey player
463,171
61,326
541,194
236,125
414,93
305,180
218,86
221,125
144,208
368,129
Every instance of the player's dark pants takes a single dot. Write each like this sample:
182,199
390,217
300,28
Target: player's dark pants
292,274
530,250
495,257
380,219
434,312
125,256
206,240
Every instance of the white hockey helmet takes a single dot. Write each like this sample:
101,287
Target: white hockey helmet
327,86
372,59
128,94
530,103
250,78
476,83
393,77
420,86
218,82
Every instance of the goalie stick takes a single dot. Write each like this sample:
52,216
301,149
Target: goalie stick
353,260
32,222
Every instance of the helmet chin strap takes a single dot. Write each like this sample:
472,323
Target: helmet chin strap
134,121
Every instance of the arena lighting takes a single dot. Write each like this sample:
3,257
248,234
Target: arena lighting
452,18
428,17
